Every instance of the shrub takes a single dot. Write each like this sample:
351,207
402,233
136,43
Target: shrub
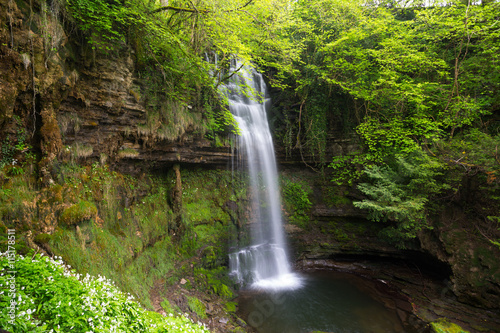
399,192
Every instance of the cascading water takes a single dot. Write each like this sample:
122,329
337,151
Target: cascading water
264,264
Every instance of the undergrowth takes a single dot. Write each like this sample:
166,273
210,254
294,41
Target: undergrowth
106,223
54,298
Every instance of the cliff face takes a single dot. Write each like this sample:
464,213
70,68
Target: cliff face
76,104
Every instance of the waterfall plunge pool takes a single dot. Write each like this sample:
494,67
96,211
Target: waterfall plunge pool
328,301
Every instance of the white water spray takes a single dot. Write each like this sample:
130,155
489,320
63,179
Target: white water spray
264,264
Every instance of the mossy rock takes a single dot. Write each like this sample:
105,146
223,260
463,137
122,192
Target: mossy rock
79,212
231,306
197,306
209,257
42,238
442,325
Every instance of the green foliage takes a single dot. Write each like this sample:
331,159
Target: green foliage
42,238
214,281
399,192
404,78
295,196
219,119
128,240
348,168
103,22
78,212
170,44
472,150
133,244
197,306
50,297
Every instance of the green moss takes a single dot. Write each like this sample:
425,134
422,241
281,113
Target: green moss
131,245
79,212
169,308
442,325
42,238
214,281
295,197
56,194
231,306
197,306
128,153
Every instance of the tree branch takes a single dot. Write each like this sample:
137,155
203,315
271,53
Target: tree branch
196,10
178,10
228,76
240,8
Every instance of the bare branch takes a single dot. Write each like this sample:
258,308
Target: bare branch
178,10
196,10
240,8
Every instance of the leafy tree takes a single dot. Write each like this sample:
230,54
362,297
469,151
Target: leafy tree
412,74
398,193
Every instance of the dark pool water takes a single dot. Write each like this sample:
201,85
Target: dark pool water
327,302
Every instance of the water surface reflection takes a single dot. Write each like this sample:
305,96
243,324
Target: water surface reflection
328,302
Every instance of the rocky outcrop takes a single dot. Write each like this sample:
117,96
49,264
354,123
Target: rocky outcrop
450,271
103,117
81,106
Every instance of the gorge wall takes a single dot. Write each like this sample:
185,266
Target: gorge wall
83,106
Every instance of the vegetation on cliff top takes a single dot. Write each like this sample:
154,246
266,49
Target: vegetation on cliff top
419,85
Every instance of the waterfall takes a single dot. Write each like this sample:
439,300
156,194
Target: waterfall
264,264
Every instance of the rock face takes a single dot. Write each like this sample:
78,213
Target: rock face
449,271
82,106
103,118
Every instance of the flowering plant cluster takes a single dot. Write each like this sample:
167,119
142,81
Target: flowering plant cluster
52,298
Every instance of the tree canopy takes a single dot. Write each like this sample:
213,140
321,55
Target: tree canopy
410,78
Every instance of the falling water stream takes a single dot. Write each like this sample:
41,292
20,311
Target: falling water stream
264,264
274,298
